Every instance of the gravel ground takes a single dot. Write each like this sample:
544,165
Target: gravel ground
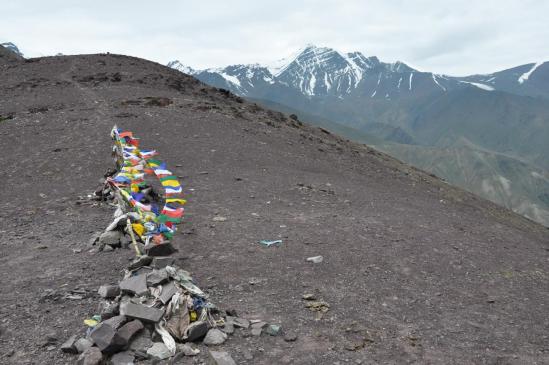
413,270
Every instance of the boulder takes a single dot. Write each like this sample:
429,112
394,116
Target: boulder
109,291
141,312
107,339
214,337
91,356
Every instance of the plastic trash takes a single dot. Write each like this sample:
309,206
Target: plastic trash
315,259
270,243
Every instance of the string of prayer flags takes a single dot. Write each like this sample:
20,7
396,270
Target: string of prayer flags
135,164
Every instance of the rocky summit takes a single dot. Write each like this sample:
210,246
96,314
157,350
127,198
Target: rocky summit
310,249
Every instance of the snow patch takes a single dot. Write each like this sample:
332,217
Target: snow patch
229,78
410,81
436,82
374,93
526,75
479,85
399,82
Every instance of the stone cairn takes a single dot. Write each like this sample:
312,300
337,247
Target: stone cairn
156,311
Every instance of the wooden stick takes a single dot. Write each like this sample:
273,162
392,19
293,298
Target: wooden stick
134,242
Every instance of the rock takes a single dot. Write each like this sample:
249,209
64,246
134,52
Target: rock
91,356
115,321
94,238
168,290
68,346
188,350
142,341
273,330
308,296
123,358
161,262
106,339
214,337
82,344
111,238
159,351
231,312
143,260
228,328
162,249
290,337
157,277
128,330
109,291
108,309
219,219
124,241
136,285
315,259
138,311
240,322
257,328
221,358
196,330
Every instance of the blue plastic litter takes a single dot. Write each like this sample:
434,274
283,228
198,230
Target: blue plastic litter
270,243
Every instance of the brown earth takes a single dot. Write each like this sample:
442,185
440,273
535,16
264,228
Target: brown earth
414,270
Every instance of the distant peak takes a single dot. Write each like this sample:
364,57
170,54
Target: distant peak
12,47
176,64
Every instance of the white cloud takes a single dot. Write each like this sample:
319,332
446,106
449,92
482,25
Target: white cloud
453,37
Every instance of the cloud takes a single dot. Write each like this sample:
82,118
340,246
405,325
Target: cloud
452,37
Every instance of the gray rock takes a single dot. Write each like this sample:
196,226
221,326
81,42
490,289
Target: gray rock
162,249
188,350
142,341
221,358
143,260
161,262
108,291
123,358
273,330
124,241
106,339
68,346
91,356
257,328
239,322
108,309
228,328
82,344
111,238
214,337
168,290
116,321
138,311
128,330
136,285
157,277
196,330
290,337
159,351
94,238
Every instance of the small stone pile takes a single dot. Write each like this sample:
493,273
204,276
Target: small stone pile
154,313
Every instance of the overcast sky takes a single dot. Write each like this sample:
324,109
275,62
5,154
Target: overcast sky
455,37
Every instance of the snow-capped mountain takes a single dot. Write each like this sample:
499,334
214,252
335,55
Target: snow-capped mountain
323,72
12,47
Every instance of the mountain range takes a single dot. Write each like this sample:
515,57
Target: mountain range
487,133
